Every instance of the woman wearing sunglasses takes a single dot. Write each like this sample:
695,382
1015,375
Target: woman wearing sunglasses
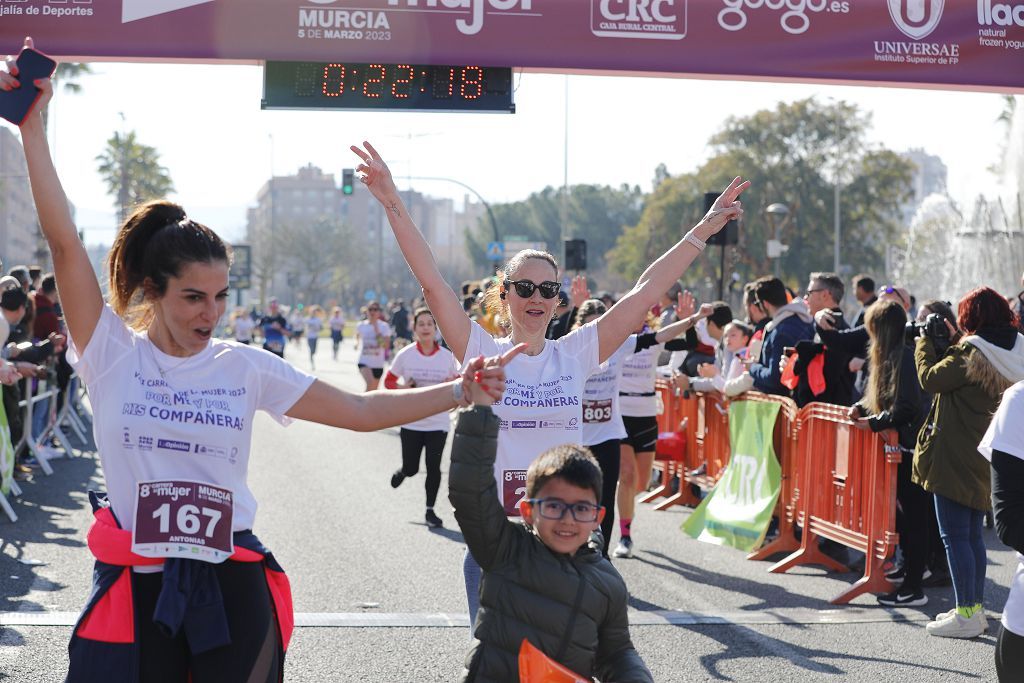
373,338
542,405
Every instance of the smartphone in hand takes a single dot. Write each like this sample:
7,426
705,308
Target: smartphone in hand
17,103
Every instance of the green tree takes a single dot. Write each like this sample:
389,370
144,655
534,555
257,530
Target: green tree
132,172
67,76
791,154
596,213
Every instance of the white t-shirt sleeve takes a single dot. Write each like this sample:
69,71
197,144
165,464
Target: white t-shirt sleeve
398,364
281,385
1006,431
584,345
110,341
480,343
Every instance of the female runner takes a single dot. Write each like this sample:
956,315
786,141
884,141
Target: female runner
541,407
183,589
337,324
602,419
373,339
422,364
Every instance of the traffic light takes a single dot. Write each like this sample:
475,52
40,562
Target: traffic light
348,177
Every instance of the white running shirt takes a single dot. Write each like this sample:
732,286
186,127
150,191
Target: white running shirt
191,422
1006,433
602,419
411,363
541,407
371,338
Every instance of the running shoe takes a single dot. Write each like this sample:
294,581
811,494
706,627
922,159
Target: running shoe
433,521
952,625
397,478
900,599
936,579
624,548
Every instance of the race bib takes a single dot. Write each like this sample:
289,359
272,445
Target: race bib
597,411
185,519
275,346
513,490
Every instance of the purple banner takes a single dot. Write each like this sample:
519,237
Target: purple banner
972,44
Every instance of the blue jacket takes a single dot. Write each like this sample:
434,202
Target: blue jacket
790,324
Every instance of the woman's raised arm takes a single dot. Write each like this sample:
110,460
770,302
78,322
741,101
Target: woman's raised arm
625,316
444,305
80,294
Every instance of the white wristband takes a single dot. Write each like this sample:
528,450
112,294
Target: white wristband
460,397
692,238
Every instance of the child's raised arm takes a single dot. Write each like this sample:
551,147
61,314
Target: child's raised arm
473,491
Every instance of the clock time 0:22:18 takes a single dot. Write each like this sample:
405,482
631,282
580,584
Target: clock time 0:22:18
345,85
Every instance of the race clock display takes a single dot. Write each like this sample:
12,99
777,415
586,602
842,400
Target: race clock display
387,87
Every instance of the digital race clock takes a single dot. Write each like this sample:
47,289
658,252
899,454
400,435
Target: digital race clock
343,85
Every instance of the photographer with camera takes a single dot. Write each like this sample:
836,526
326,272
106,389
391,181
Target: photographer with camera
968,383
893,400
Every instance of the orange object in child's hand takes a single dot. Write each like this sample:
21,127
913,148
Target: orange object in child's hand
536,667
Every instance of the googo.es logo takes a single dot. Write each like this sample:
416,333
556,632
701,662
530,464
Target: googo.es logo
646,19
916,18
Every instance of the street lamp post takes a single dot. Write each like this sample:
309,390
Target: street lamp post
777,214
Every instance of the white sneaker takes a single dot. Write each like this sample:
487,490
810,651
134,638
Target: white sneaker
624,548
955,626
980,617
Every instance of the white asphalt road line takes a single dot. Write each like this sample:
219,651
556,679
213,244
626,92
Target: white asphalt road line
455,620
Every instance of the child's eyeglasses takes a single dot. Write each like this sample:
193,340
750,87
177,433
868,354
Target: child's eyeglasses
552,508
525,288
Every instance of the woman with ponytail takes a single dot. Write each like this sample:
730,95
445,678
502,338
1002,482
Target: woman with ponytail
183,589
542,406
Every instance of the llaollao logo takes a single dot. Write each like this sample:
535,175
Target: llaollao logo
916,18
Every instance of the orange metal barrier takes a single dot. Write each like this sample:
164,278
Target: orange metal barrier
675,448
846,493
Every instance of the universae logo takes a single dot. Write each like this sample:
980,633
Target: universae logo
916,18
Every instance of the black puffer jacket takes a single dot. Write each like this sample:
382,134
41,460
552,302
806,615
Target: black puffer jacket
572,608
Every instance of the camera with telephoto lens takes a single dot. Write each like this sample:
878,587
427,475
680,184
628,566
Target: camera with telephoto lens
933,327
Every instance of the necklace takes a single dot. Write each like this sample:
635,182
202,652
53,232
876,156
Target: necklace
164,372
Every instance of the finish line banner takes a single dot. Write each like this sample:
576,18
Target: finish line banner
968,44
738,510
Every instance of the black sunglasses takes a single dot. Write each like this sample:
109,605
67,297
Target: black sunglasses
525,288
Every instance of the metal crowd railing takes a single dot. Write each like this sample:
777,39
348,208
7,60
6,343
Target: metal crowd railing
59,422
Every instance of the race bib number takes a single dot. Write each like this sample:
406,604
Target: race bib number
513,489
275,346
186,519
597,411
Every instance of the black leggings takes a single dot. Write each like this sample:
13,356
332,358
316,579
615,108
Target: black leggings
1009,656
913,525
607,454
254,653
413,442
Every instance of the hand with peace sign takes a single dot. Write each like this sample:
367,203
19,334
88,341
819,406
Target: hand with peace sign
375,174
727,207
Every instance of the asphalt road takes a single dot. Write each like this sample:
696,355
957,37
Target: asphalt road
380,596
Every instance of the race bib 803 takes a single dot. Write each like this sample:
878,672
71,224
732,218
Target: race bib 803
185,519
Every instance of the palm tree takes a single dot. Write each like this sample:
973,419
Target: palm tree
132,172
66,75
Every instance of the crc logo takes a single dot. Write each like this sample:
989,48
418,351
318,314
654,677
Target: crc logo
916,18
649,19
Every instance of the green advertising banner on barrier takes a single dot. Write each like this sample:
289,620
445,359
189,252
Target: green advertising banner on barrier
738,510
6,453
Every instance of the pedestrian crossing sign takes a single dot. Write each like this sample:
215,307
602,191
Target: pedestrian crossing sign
495,251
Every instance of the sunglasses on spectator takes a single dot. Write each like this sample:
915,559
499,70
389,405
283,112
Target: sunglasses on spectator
889,289
552,508
526,288
373,308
